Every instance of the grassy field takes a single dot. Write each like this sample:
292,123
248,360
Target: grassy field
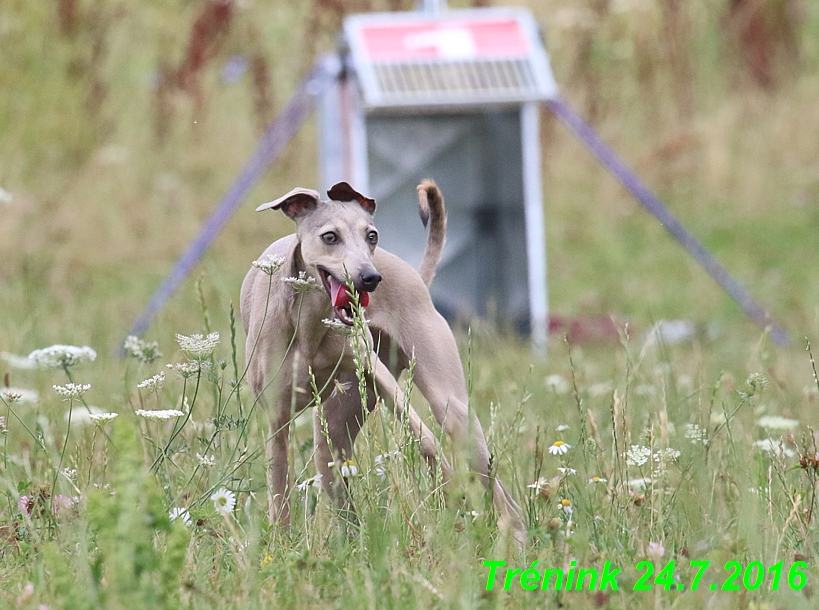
685,452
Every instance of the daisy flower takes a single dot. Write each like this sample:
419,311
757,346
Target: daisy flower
308,483
598,480
565,505
559,448
180,513
224,501
349,469
539,485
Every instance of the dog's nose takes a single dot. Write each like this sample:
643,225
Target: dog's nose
370,280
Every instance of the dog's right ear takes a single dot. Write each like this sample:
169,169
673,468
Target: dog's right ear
295,203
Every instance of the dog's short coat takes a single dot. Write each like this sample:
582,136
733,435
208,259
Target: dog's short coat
287,339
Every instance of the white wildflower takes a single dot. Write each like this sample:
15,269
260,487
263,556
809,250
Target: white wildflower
638,455
18,362
349,469
559,448
102,418
565,505
61,356
539,485
666,455
81,415
10,395
308,483
144,351
206,461
695,434
597,480
152,384
302,284
338,326
189,369
775,422
557,384
26,396
180,513
198,346
567,471
224,501
381,462
159,414
70,473
778,448
561,428
70,391
269,264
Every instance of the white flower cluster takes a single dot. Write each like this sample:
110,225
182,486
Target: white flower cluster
198,346
770,445
206,461
269,264
382,460
10,395
144,351
159,414
638,455
302,284
189,369
61,356
338,326
695,434
70,391
152,384
776,422
102,418
18,362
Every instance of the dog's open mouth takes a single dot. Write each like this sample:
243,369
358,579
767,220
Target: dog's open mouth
341,297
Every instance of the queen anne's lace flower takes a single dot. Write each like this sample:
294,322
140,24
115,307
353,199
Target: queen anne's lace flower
152,384
198,346
102,418
144,351
269,264
224,501
60,356
637,455
70,391
159,414
302,284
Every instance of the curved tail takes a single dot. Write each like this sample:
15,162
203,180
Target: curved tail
431,205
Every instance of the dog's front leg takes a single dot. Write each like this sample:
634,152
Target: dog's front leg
278,484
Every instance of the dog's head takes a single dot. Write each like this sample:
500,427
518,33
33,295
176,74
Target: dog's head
337,239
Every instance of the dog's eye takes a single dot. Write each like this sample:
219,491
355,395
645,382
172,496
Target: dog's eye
329,237
372,237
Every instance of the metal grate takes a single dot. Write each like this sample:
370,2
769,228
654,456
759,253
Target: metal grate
477,80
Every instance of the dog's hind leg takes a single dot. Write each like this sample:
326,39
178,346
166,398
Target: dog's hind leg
335,428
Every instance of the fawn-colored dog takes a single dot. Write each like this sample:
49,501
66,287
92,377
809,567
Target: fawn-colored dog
336,244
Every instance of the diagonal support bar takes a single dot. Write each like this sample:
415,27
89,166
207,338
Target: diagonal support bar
270,146
653,204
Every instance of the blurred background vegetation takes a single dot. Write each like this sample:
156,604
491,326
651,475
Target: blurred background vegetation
121,125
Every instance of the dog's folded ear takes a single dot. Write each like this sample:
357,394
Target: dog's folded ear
295,203
344,192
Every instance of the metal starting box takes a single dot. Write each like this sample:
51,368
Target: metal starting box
451,96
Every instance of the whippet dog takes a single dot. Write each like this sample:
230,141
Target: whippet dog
335,250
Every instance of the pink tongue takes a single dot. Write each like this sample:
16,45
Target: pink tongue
340,296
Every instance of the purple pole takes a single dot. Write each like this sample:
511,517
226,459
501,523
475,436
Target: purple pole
652,203
271,145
